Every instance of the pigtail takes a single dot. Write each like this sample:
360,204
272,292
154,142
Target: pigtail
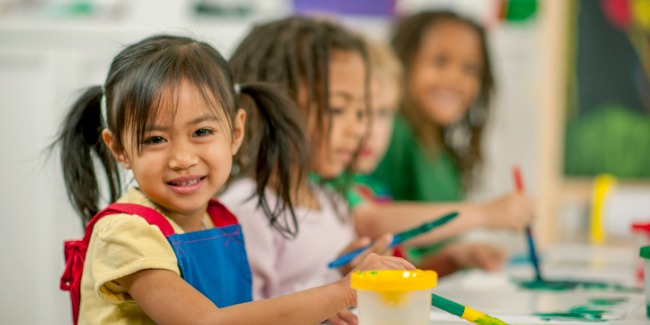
79,138
277,147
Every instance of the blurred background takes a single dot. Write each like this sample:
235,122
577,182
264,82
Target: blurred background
572,105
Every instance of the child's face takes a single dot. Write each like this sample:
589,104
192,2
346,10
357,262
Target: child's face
185,157
335,149
383,104
445,73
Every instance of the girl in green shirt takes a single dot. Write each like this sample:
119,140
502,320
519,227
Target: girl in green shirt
434,150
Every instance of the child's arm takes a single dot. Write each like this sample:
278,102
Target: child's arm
168,299
456,256
513,211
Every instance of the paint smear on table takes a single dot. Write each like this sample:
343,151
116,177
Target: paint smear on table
568,285
593,311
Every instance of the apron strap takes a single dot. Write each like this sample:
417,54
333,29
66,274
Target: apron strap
152,216
220,215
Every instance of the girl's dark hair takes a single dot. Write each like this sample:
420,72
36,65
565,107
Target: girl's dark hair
463,139
140,77
294,55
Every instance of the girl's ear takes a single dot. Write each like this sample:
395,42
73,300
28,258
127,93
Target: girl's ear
118,154
238,131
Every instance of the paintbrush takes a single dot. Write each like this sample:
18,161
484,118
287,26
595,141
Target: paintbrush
397,239
519,184
464,312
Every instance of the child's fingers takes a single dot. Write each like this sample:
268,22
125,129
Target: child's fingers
345,317
490,258
379,246
356,244
377,262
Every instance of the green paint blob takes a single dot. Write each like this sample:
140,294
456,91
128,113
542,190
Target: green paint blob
647,310
593,311
607,301
582,313
489,320
571,317
567,285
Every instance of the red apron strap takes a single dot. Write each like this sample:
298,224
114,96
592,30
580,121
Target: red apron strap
152,216
220,215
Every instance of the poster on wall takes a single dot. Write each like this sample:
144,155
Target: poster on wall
608,116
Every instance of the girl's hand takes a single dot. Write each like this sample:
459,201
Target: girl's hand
343,317
475,255
514,211
379,246
372,261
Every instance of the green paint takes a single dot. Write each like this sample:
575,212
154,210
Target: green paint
582,313
593,311
570,317
647,310
567,285
607,301
489,320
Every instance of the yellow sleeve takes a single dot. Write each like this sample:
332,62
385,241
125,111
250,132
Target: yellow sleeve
121,245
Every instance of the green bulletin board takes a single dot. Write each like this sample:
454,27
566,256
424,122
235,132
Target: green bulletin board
608,116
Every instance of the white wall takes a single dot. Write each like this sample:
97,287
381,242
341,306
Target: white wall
44,65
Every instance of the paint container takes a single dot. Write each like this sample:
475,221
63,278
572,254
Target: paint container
641,234
394,297
645,253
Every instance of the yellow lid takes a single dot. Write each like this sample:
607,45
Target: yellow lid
394,280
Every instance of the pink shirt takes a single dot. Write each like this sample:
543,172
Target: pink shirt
280,265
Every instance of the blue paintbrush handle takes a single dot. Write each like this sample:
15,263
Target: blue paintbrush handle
349,256
397,239
533,254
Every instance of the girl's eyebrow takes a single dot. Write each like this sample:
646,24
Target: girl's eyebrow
203,118
344,94
200,119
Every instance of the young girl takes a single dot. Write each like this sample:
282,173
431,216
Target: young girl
436,141
323,68
168,112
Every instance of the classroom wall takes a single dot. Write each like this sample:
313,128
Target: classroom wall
44,62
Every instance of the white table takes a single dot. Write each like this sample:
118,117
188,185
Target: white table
497,295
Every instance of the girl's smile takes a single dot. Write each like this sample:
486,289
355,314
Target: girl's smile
187,184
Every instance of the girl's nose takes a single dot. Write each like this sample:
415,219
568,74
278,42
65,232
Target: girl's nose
183,157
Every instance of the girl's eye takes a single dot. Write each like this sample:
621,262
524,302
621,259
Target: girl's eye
335,111
154,140
361,115
203,132
440,60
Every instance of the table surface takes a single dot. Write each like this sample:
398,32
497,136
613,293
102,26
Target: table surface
497,295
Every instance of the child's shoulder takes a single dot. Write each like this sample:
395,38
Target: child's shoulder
240,197
239,192
123,225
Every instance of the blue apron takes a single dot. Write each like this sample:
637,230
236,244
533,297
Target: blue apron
214,260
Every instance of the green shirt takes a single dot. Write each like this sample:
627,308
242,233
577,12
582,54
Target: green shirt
365,188
413,175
